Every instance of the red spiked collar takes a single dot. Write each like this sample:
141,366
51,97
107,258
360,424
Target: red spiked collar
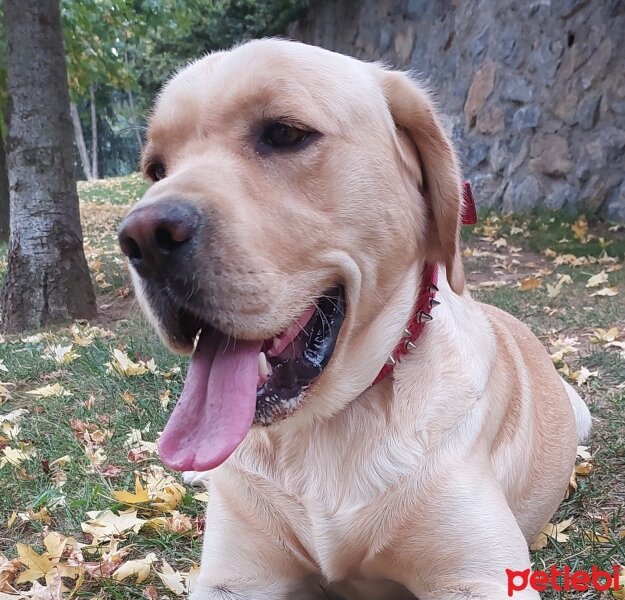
426,299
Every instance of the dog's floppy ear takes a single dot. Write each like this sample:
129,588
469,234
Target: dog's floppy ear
414,112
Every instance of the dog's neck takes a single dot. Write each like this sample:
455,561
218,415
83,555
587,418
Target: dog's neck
421,315
426,301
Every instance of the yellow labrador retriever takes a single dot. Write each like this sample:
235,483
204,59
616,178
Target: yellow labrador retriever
366,423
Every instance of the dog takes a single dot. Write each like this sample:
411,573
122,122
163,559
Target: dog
371,431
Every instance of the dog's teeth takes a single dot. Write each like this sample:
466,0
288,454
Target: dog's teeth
264,368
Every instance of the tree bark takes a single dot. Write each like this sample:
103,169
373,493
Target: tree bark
4,195
94,133
47,277
135,120
80,142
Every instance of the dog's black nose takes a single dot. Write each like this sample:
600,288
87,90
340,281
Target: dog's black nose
151,236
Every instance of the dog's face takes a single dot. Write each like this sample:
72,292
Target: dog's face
295,190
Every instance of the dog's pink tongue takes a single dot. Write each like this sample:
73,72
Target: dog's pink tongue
216,408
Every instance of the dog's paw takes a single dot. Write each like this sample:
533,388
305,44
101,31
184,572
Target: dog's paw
196,478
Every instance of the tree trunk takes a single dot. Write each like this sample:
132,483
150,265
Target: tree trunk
80,142
135,120
4,195
47,277
94,133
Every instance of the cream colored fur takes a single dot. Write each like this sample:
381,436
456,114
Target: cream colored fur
431,481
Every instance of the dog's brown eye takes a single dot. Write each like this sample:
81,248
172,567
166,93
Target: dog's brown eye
156,171
281,135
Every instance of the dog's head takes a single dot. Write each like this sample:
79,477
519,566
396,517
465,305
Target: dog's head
296,194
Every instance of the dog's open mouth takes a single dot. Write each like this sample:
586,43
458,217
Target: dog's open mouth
233,383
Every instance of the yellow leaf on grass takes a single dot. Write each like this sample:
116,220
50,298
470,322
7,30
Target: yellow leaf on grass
583,468
56,544
164,398
554,290
201,497
169,497
583,375
580,228
37,565
122,364
47,391
96,457
607,291
79,338
172,579
572,487
140,495
129,398
139,568
63,355
16,456
530,283
597,280
595,538
41,516
104,525
492,284
602,336
553,531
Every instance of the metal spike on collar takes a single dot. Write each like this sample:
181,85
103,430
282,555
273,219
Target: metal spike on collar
423,317
410,345
434,303
433,288
407,333
391,361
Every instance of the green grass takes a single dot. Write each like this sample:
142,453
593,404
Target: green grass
598,505
111,402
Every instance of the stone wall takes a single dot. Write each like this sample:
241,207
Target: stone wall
534,90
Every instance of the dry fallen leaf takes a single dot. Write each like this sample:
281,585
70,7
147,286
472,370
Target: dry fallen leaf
104,525
608,291
139,568
38,565
602,336
47,391
597,280
492,284
129,398
583,468
16,456
530,283
172,579
164,398
8,572
553,531
554,290
582,452
125,367
140,495
63,355
580,228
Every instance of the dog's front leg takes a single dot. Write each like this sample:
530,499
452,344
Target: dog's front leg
461,541
246,555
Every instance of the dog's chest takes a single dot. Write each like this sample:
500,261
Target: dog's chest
342,515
